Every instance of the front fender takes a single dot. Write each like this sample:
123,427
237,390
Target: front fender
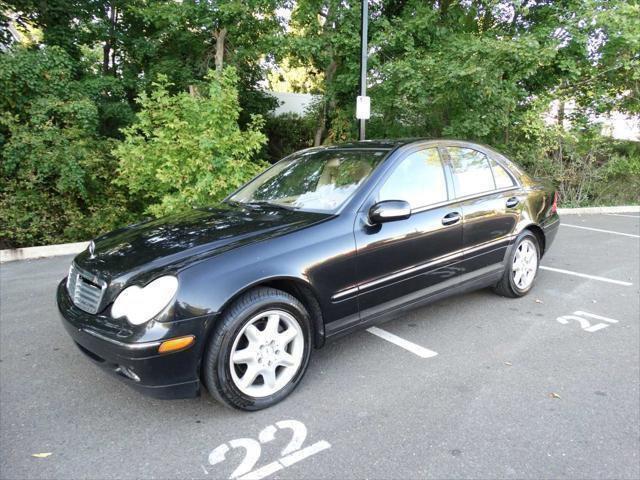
207,288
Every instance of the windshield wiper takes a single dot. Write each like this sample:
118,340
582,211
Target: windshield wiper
259,203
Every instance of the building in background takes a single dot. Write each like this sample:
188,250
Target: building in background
10,34
293,102
617,125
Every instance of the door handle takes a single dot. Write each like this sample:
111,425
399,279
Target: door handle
512,202
451,218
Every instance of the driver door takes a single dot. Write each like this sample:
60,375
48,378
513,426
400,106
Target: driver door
400,262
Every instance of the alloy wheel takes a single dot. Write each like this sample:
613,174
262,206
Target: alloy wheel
267,353
525,264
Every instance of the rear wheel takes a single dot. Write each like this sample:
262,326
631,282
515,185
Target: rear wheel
522,267
259,351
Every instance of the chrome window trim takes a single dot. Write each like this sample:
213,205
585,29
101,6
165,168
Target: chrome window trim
464,199
511,176
444,177
453,170
444,160
490,154
487,193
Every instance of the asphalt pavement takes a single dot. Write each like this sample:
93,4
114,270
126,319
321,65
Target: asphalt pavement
542,386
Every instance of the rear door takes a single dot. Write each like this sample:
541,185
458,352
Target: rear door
490,205
401,261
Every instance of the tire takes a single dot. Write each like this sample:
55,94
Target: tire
246,331
512,285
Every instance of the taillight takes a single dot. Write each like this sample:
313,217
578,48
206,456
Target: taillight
554,206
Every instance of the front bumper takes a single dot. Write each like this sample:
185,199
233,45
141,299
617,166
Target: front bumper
170,375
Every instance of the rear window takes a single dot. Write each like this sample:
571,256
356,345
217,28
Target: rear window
471,171
501,176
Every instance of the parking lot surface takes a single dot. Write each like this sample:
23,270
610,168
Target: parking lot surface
542,386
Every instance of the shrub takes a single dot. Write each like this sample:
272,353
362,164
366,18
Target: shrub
586,167
56,170
287,133
187,150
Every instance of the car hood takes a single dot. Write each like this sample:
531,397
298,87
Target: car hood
171,240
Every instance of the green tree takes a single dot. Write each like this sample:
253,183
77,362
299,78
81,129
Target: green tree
56,169
188,150
324,39
184,40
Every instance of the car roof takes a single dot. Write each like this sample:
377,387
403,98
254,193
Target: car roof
392,143
382,144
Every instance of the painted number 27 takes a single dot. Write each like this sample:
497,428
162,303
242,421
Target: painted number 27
585,324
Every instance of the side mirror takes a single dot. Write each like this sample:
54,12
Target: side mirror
389,211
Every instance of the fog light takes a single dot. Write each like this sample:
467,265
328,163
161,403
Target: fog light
175,344
127,372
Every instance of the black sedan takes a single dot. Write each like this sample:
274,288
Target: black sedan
326,241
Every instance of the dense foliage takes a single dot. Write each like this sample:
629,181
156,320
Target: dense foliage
287,133
187,150
112,110
56,167
488,70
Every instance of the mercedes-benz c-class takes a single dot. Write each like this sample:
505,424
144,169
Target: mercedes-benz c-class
328,240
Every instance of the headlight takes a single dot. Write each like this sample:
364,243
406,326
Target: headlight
140,305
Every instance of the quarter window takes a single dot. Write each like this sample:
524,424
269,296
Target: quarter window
472,173
419,180
501,176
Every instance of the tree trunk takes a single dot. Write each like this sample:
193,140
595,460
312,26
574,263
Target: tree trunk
322,123
444,7
561,114
220,36
106,54
108,50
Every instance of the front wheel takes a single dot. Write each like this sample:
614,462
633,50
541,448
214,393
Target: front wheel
521,268
259,351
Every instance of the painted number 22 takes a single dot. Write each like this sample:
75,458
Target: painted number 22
291,453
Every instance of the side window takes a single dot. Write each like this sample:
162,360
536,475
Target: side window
471,171
419,179
501,176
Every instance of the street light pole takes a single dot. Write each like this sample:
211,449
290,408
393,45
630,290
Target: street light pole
363,59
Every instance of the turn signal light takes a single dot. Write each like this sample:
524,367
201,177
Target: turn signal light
175,344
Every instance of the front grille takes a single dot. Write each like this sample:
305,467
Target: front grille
86,291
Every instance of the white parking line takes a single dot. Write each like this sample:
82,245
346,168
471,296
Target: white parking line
401,342
601,230
295,457
623,215
287,461
263,472
584,275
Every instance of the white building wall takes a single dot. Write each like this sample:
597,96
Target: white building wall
293,102
616,125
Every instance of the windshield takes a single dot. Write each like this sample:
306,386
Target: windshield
319,180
